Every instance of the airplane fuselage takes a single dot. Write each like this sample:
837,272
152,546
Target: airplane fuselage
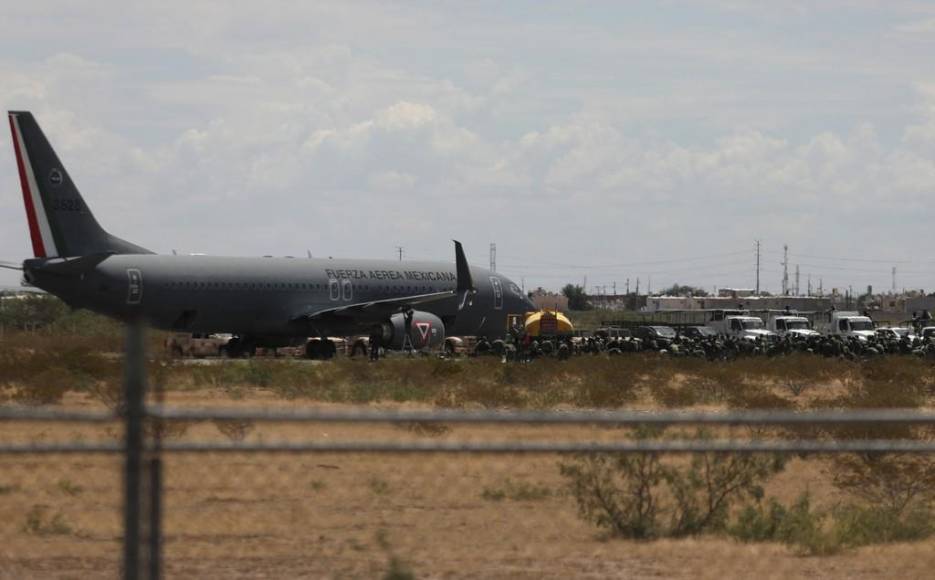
268,296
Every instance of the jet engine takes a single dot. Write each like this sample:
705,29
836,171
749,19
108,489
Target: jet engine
425,331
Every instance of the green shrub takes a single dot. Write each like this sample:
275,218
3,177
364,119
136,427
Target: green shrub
618,493
378,485
758,524
705,490
823,533
67,487
38,522
625,493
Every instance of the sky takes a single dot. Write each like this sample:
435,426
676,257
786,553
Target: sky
600,140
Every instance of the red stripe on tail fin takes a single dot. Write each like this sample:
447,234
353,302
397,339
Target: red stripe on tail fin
38,248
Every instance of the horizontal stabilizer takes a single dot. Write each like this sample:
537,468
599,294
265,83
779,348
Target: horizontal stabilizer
67,267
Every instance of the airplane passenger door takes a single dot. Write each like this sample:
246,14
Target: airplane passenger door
497,293
347,290
134,286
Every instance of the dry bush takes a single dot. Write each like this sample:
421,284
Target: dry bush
38,522
674,396
896,482
705,490
46,387
424,428
516,491
758,397
639,496
618,493
159,429
610,383
40,372
234,429
894,381
799,371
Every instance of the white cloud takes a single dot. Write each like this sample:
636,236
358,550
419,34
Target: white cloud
567,137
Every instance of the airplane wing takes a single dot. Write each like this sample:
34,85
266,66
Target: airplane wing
377,309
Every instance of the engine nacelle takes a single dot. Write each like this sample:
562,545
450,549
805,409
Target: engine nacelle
425,331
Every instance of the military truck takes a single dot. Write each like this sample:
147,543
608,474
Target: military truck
181,345
791,324
849,324
741,326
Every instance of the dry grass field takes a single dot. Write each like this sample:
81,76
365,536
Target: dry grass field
401,516
358,515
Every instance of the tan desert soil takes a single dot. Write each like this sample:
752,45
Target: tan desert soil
347,516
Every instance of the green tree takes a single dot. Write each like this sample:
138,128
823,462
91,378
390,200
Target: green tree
684,290
577,299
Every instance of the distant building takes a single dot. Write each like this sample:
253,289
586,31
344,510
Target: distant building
919,303
800,303
543,299
735,292
609,301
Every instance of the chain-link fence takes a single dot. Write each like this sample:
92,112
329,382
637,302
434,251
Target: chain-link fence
186,486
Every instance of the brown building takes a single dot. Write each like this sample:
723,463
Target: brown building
543,299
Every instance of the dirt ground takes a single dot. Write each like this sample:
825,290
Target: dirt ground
353,515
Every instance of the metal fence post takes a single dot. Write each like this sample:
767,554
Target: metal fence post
134,394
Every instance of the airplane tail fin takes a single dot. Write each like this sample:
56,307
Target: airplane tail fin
60,222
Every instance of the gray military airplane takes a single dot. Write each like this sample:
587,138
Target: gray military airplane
261,301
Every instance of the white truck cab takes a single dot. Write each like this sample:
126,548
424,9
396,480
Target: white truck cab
742,326
850,323
791,324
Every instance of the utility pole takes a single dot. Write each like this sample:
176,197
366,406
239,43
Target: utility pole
615,287
628,286
821,287
797,293
758,267
399,249
637,286
649,289
809,285
894,280
785,270
493,257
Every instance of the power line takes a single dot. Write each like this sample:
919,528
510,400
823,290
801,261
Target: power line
813,257
630,264
651,271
